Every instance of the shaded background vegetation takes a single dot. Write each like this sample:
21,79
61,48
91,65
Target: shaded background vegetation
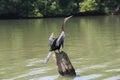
54,8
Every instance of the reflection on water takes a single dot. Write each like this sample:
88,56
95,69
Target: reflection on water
48,78
92,43
88,77
32,73
113,70
113,78
33,62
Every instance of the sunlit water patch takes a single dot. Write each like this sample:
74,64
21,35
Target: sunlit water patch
54,77
90,68
113,78
113,70
88,77
33,62
32,72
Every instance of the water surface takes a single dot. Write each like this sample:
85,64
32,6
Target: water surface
92,43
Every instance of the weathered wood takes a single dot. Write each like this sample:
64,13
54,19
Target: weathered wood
64,65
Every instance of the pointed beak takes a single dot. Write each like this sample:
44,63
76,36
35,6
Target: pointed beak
67,19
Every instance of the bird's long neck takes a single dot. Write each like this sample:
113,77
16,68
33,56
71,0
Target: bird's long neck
62,28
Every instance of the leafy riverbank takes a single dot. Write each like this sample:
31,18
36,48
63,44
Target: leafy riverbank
56,8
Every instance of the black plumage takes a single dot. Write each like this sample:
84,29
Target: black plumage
54,47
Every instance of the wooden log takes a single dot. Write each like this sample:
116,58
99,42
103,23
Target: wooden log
64,65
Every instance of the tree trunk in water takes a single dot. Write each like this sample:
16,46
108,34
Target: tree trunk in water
64,65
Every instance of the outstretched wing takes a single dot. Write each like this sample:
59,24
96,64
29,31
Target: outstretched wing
60,39
47,58
51,39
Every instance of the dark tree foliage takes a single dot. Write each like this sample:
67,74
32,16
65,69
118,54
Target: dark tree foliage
53,8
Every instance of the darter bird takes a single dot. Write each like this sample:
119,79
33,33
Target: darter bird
56,43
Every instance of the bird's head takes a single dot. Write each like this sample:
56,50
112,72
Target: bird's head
67,19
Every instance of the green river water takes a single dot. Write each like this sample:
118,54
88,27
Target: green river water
92,44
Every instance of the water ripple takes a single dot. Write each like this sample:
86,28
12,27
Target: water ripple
32,62
32,72
47,78
114,78
113,70
88,77
91,67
